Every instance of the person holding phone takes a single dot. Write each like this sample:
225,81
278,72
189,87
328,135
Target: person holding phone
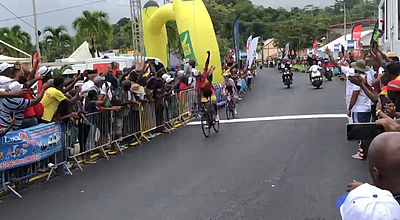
360,105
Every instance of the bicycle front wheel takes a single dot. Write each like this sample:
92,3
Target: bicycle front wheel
228,112
216,126
205,125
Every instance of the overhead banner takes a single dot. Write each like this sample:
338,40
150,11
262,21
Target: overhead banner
236,37
26,146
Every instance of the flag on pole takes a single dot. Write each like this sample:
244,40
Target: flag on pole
287,48
375,36
236,36
315,46
356,36
253,50
248,47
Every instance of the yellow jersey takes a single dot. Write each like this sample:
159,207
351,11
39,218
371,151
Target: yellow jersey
51,99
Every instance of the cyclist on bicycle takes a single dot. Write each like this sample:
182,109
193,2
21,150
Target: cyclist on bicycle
229,88
205,88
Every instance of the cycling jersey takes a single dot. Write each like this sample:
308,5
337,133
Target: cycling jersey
206,89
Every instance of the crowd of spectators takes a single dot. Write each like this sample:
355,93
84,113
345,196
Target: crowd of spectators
373,96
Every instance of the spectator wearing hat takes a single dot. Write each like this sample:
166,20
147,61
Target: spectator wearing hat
393,108
5,69
52,98
138,92
15,107
126,96
369,202
380,201
384,159
360,105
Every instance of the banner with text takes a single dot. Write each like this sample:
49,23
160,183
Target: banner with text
29,145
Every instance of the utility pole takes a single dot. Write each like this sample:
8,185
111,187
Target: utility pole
36,27
345,20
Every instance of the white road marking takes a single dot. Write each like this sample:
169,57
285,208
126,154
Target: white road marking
278,118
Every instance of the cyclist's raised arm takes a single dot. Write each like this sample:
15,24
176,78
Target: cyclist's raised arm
207,61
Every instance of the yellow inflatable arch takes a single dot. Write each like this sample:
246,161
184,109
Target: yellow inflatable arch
195,28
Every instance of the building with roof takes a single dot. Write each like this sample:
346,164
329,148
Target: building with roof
269,51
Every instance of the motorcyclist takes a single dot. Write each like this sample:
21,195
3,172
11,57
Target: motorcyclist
278,63
288,65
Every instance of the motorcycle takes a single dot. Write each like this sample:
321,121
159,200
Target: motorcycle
287,75
328,71
316,76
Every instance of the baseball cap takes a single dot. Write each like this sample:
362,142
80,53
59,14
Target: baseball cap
168,80
5,66
15,86
369,202
394,86
99,79
44,71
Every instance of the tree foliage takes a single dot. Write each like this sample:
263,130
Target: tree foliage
94,28
57,43
297,26
17,38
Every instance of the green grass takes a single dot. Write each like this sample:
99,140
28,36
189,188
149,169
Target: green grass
301,68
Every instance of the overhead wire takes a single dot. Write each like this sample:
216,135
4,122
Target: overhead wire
54,10
16,16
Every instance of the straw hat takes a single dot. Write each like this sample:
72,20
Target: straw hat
136,88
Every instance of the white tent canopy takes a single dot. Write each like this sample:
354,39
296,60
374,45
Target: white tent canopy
81,54
365,40
8,59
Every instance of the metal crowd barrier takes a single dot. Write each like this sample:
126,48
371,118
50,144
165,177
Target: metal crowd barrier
101,129
187,103
93,134
130,125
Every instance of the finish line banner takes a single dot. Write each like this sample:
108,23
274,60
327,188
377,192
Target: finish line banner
29,145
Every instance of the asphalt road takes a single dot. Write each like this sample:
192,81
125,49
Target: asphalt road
290,169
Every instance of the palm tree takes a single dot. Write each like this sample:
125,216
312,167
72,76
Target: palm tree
94,28
16,37
58,42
